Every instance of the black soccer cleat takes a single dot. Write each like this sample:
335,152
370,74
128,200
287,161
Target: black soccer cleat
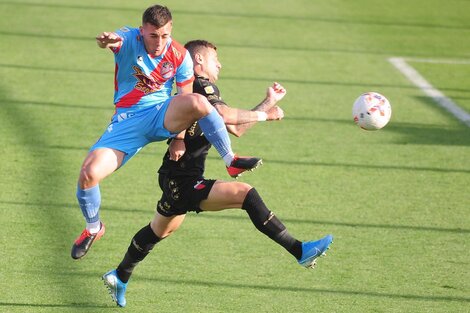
83,243
242,164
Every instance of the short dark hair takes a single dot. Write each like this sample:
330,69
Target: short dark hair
157,15
195,46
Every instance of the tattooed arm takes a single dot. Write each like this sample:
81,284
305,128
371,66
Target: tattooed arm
239,121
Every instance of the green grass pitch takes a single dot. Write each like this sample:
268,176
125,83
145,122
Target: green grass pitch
396,200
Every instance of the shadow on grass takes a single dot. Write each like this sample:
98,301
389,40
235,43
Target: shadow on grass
432,134
219,284
346,224
285,287
244,79
109,108
54,70
30,35
333,83
224,216
373,22
420,134
237,78
370,166
433,105
57,305
44,183
303,163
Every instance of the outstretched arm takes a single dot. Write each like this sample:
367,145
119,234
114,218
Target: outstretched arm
239,121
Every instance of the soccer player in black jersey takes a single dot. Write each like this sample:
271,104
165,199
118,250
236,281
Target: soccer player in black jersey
185,188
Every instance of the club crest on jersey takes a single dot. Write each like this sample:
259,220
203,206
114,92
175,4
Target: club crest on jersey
167,70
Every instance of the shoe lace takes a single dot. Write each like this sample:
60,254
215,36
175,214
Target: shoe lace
85,234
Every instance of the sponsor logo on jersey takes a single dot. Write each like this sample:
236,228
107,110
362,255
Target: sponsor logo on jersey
124,29
145,83
123,116
213,97
176,52
192,129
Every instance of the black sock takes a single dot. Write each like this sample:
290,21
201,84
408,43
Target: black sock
141,245
267,223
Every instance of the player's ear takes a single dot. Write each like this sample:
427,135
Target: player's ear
198,58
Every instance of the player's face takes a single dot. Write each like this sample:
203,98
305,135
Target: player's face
210,64
155,39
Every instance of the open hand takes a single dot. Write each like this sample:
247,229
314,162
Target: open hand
176,148
107,39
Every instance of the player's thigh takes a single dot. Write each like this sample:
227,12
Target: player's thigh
100,163
184,110
163,226
225,195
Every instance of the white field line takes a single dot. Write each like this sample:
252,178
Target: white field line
429,90
439,61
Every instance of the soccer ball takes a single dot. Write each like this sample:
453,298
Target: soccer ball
371,111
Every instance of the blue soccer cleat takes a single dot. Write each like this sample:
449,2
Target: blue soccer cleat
116,287
311,250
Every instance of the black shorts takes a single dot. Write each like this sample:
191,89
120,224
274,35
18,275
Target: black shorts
182,194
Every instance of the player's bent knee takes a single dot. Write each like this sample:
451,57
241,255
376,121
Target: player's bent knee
242,190
200,104
89,175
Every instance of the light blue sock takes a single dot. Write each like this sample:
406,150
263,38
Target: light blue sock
89,201
216,133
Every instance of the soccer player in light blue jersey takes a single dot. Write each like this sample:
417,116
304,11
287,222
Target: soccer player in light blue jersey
147,64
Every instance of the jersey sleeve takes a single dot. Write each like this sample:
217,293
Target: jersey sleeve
125,33
184,73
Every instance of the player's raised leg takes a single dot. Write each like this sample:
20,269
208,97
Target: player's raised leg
98,164
240,195
184,109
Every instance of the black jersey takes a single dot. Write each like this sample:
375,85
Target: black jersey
192,163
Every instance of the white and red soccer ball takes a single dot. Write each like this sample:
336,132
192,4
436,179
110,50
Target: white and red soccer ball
371,111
